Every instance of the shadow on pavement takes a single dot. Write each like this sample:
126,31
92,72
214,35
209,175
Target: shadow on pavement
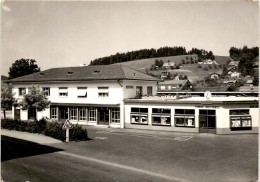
13,148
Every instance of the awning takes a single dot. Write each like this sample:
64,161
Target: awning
81,93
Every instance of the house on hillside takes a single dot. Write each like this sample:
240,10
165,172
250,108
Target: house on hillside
209,61
174,86
233,63
229,82
214,75
165,74
89,95
249,83
234,74
168,65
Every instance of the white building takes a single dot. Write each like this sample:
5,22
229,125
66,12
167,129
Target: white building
220,115
90,95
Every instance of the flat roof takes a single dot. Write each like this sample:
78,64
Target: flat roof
194,100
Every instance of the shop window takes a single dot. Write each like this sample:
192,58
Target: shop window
103,92
161,117
82,114
54,112
115,112
240,119
22,91
139,115
92,114
46,91
63,91
73,113
82,92
184,118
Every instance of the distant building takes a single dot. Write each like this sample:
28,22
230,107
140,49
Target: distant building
209,61
249,83
229,82
214,76
169,65
174,86
233,63
3,78
165,74
234,74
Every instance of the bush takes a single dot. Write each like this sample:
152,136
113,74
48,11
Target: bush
199,66
52,129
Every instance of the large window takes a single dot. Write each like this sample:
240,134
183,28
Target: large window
73,113
240,119
103,92
47,91
115,112
54,112
92,114
161,116
63,91
82,92
82,114
139,115
22,91
184,118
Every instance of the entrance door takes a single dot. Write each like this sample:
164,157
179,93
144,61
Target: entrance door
207,121
63,113
31,114
103,115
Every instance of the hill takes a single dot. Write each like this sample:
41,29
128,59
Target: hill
191,70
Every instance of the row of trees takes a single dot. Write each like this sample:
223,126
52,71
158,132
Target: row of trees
151,53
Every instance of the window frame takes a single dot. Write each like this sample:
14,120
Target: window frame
240,117
63,93
21,91
140,114
48,91
115,115
103,92
54,112
184,116
84,89
161,114
81,116
73,114
92,111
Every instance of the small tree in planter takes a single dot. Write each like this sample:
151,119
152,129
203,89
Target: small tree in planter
35,100
7,98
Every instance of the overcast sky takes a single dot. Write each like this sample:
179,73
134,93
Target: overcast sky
58,34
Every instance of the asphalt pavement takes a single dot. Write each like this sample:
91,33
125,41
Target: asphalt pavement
134,155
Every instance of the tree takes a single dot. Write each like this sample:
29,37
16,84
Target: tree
23,67
7,98
35,100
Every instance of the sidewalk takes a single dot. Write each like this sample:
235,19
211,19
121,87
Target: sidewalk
33,137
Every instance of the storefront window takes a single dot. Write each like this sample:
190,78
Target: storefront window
240,119
184,118
161,116
73,113
54,112
139,115
115,112
82,114
92,114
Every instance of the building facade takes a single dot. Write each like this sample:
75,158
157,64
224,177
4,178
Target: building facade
219,115
90,95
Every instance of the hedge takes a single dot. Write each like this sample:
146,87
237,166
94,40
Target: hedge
52,129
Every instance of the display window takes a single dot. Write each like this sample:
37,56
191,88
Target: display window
240,119
184,118
161,117
139,115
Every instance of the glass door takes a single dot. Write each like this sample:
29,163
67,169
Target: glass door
103,116
63,113
207,121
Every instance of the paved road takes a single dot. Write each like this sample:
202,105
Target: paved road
135,155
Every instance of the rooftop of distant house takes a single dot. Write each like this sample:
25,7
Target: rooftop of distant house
85,73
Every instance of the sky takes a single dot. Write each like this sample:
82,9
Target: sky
69,33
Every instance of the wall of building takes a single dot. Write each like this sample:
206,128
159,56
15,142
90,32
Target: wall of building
222,117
